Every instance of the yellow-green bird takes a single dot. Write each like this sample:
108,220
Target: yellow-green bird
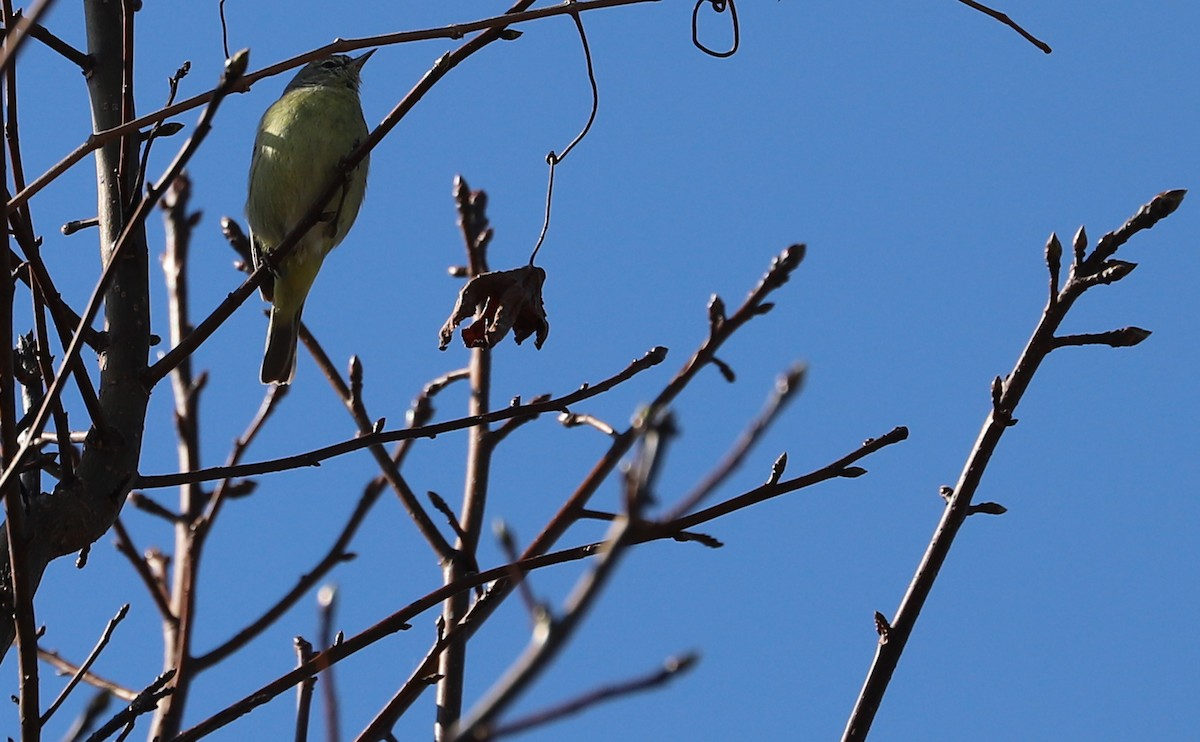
302,139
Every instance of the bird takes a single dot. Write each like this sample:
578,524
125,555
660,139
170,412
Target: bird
299,147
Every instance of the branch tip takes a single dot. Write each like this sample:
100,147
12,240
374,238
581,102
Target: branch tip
987,508
1079,243
725,369
882,627
1054,262
716,313
778,468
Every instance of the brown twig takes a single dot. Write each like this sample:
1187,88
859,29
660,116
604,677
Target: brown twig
338,552
552,636
96,706
145,702
40,33
786,386
672,668
574,420
78,225
67,668
157,589
508,546
37,278
1008,22
388,467
304,690
476,231
316,456
498,434
19,29
398,621
127,143
1006,394
45,366
272,398
193,499
326,609
83,669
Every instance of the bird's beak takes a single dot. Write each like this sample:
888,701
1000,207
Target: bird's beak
358,62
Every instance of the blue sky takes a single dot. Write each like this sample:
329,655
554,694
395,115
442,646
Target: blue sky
924,153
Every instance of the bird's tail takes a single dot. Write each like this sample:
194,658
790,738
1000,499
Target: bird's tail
279,360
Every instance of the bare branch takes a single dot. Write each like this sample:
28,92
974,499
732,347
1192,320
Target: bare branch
233,71
425,673
155,587
316,456
672,668
1008,22
145,702
786,387
1006,396
67,668
304,690
82,670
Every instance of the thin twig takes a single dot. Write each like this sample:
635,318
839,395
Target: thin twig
40,33
391,471
92,711
576,419
338,552
421,411
87,663
304,690
554,633
186,389
15,35
1006,396
64,667
1008,22
157,590
672,668
145,702
786,387
398,621
316,456
326,610
508,544
473,223
37,278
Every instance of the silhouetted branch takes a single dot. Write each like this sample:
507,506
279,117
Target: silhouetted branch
82,670
316,456
1008,22
672,668
1086,271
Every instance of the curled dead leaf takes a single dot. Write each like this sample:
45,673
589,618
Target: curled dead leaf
500,301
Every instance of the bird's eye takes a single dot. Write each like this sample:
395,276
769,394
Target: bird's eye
329,64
